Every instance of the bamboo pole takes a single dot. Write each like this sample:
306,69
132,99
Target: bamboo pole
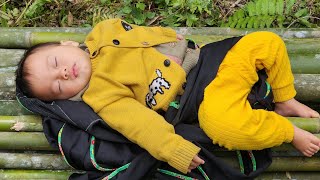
294,46
10,57
32,161
24,40
12,108
63,175
37,141
309,124
307,86
289,175
31,123
50,29
284,32
284,163
10,174
24,141
300,63
56,162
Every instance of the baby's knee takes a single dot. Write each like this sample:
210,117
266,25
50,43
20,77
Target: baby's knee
267,36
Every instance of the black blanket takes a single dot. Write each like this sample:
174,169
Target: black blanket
112,150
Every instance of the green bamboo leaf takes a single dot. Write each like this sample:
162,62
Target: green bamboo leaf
301,12
279,7
251,8
272,7
289,6
264,7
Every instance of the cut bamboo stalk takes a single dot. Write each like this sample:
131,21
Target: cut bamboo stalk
31,123
37,141
305,63
284,32
24,40
12,108
284,163
56,162
24,141
307,86
10,57
32,161
294,46
49,29
309,124
63,175
6,174
300,63
289,175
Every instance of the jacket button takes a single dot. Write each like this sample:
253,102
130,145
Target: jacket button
115,42
184,85
167,62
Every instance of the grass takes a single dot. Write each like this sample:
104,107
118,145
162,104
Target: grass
86,13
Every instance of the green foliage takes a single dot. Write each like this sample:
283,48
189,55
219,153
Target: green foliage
192,13
271,13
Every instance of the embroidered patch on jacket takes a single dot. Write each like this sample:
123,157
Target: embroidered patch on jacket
156,87
126,26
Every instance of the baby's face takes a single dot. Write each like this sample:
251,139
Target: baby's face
58,72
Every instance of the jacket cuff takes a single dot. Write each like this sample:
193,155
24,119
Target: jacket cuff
289,131
284,94
169,32
182,157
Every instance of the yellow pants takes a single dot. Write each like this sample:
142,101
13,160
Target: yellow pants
225,113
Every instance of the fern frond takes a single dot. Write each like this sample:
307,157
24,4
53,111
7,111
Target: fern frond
279,7
264,7
272,7
289,5
251,8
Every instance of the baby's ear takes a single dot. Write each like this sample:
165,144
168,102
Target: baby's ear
69,43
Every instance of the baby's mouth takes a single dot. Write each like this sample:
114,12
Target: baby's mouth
74,71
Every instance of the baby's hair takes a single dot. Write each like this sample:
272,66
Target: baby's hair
23,73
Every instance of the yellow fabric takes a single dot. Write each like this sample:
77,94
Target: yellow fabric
225,113
119,86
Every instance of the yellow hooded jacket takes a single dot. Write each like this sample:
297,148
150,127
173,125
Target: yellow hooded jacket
130,81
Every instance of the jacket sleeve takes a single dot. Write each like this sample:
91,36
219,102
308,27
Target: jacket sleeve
150,131
141,125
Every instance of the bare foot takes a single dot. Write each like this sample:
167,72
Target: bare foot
307,143
293,107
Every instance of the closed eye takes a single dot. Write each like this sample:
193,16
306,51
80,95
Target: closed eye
55,59
59,87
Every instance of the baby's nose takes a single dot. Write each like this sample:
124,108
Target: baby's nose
64,73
